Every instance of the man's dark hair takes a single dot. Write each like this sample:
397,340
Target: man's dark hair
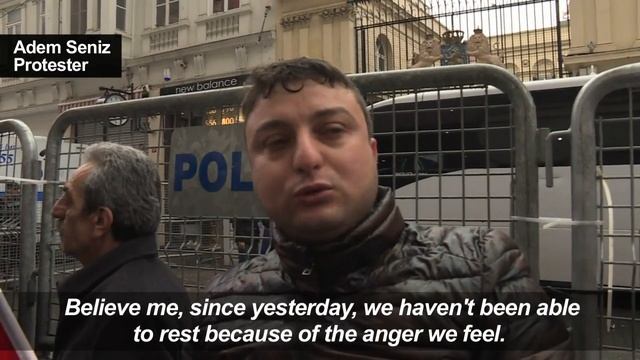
290,75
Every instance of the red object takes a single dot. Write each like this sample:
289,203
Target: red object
7,349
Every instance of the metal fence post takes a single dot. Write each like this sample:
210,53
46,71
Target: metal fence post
132,108
586,269
26,309
525,190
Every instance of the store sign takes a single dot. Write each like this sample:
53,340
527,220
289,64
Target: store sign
221,83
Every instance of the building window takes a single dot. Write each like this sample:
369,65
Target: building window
384,59
78,16
121,14
41,16
98,14
224,5
14,22
167,12
544,69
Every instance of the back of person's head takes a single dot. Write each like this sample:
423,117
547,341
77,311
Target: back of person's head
290,75
126,181
12,188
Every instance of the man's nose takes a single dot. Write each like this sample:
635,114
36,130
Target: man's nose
308,155
58,210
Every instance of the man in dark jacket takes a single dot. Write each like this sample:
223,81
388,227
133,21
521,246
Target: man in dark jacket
338,235
107,217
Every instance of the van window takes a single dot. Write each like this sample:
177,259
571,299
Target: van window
438,136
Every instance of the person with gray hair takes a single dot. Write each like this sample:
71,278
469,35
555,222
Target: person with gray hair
126,181
107,218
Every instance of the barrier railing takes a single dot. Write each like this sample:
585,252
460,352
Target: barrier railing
605,144
198,247
18,228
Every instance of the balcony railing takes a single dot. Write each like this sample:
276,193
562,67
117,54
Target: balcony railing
164,40
10,81
220,26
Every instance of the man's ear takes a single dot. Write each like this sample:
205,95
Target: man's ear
374,147
103,220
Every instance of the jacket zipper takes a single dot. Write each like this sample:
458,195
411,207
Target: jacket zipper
307,271
309,260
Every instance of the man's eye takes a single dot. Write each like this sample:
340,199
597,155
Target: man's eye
333,129
275,142
63,199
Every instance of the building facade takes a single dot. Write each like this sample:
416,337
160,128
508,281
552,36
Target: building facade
535,55
178,46
390,32
317,28
604,34
168,46
528,38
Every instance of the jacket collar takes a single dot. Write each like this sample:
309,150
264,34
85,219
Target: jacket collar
322,267
90,276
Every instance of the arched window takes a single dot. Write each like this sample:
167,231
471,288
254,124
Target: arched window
384,57
543,70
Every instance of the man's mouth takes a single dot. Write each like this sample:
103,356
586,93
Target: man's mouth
313,193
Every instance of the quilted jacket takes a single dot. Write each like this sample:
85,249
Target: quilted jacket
388,261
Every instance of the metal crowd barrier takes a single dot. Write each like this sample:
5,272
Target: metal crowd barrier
198,248
461,182
605,146
18,227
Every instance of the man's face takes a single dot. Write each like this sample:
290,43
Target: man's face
313,163
74,224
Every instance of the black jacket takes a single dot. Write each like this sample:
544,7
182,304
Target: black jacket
385,260
130,273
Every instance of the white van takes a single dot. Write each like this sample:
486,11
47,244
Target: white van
451,150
